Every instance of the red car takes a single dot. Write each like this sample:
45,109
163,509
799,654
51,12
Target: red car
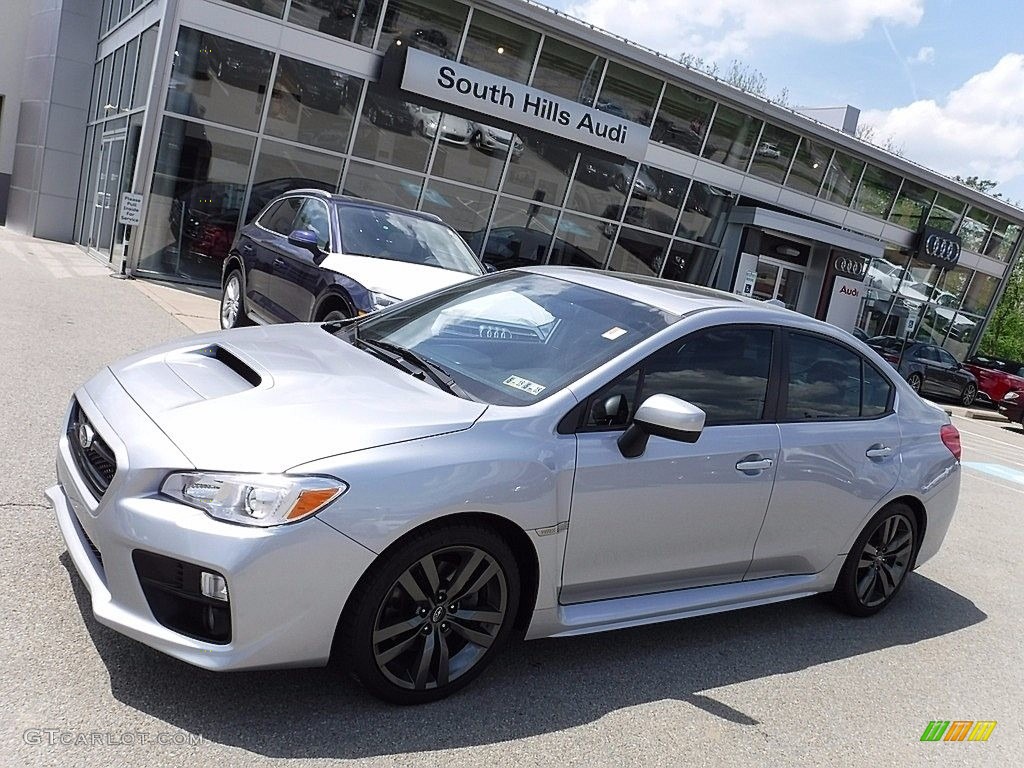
996,377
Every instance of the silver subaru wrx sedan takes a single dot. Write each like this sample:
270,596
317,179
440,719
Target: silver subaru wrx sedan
550,450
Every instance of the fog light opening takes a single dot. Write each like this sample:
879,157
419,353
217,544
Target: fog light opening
214,586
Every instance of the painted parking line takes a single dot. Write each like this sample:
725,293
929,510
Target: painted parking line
997,470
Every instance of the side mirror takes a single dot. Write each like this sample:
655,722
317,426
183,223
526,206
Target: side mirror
611,411
489,268
664,416
305,238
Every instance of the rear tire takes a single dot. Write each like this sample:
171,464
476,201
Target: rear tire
916,381
968,395
431,613
879,561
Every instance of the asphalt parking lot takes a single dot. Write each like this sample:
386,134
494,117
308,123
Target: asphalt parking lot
790,684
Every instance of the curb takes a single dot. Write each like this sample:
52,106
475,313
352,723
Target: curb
987,416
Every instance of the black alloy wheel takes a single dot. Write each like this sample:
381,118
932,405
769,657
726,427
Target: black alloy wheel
879,561
915,380
434,613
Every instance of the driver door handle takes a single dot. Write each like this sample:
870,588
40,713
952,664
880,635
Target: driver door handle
278,262
754,465
878,451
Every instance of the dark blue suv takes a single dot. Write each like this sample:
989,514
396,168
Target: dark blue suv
313,256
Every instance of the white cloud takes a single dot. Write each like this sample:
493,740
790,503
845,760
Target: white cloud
716,29
925,55
978,129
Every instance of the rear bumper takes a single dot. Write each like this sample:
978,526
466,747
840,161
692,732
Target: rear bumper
286,586
1013,412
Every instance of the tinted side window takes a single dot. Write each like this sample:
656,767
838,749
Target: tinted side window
926,353
280,216
314,216
723,370
944,357
829,381
876,392
614,405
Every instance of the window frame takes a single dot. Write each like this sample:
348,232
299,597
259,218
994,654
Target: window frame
783,401
306,200
276,202
771,398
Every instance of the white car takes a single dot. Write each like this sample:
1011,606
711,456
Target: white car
450,128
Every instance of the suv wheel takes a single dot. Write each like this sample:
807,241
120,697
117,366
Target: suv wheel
232,306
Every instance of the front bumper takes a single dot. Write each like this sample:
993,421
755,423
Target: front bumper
287,585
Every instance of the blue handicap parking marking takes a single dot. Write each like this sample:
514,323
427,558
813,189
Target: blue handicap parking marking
998,470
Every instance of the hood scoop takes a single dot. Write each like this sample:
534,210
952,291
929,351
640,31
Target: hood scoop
214,371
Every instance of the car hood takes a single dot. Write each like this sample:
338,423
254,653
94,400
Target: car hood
400,279
270,398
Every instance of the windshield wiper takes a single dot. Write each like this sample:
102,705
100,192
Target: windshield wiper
418,366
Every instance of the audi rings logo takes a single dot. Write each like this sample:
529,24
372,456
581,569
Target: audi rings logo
851,266
942,248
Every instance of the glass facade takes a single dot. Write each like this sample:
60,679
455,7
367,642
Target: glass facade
238,124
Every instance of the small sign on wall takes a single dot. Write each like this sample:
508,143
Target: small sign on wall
131,209
844,304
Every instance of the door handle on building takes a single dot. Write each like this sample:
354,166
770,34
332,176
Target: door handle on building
878,451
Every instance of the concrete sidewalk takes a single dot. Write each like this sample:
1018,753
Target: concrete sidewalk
195,308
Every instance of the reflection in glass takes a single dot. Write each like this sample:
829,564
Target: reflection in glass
392,131
270,7
354,20
1004,239
195,199
974,228
690,263
147,50
465,210
520,235
629,94
600,185
434,26
385,185
283,167
131,52
312,104
809,166
877,191
580,242
773,154
705,213
951,286
500,47
682,119
568,71
841,179
959,341
946,212
912,204
657,196
542,171
103,89
218,79
638,252
732,138
479,158
980,293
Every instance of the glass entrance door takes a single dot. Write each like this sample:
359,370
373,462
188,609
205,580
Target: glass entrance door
778,280
106,194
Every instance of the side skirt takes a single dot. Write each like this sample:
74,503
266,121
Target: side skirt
623,612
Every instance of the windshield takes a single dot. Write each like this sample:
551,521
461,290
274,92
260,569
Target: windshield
514,338
393,235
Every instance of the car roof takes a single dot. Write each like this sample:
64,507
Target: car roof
358,202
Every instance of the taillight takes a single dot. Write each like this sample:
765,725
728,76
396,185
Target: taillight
951,439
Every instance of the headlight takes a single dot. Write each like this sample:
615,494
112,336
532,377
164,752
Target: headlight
381,300
1011,396
261,500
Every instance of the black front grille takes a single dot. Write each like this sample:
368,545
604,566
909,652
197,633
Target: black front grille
89,543
95,461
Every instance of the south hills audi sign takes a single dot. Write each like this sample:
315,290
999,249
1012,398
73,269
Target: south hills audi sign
934,246
472,89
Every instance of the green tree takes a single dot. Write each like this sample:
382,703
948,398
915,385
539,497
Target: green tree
1004,336
982,185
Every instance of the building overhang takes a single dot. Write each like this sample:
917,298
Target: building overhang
807,229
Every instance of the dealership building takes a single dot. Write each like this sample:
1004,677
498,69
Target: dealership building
149,131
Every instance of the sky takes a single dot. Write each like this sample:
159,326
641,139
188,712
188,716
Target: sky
943,79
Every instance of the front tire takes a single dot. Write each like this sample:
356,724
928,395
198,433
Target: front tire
232,303
968,395
879,562
431,614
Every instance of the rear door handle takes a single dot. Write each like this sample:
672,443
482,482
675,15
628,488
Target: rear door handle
246,248
878,451
278,262
754,464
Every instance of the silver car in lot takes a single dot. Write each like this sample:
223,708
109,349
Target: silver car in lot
549,451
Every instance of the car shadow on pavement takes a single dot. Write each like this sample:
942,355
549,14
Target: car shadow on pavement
534,688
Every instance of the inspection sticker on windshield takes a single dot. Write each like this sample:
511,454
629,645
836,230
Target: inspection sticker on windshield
614,333
524,384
